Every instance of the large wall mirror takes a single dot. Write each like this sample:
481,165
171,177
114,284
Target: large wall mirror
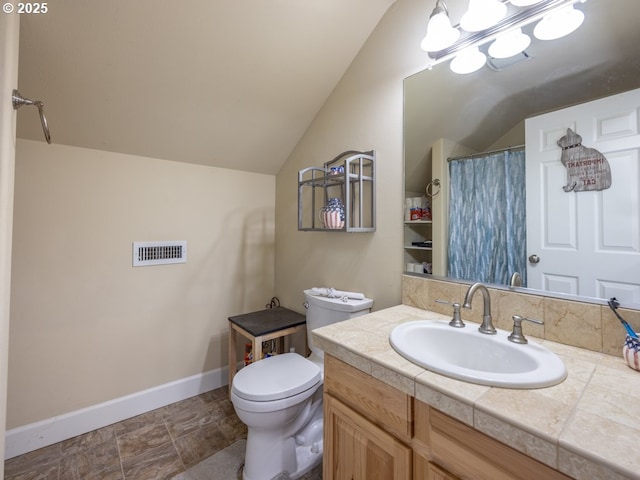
486,110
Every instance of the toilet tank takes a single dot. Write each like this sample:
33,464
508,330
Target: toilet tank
323,311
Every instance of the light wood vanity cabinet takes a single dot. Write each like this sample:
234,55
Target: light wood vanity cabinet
367,426
373,431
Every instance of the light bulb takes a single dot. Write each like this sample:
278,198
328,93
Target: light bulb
558,24
468,61
440,33
509,44
482,14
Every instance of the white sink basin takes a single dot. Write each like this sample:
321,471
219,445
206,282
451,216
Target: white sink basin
466,354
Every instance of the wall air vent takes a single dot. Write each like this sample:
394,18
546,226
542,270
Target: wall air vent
159,253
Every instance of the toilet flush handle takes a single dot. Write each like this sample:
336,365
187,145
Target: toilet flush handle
306,305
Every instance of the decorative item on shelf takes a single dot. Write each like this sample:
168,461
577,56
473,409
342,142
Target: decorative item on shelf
332,214
587,168
499,22
336,170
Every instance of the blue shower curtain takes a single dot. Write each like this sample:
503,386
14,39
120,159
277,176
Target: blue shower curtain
487,218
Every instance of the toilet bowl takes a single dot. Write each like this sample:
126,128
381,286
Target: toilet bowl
273,423
279,399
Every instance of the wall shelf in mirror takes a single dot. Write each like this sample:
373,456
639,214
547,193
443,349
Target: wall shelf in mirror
340,195
418,246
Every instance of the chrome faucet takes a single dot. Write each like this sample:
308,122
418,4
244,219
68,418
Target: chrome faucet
515,280
486,326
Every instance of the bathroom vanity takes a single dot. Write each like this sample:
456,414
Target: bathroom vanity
390,419
373,430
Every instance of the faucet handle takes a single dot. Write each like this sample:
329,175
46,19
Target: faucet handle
516,335
456,321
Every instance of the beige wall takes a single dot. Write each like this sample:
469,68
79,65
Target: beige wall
86,326
9,28
364,112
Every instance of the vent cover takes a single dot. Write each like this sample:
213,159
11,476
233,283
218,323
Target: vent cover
159,253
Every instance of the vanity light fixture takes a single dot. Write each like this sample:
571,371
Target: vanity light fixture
497,21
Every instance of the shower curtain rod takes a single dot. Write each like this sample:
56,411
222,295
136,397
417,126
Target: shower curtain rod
482,154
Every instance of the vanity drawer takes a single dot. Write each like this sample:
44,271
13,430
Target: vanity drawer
380,403
469,454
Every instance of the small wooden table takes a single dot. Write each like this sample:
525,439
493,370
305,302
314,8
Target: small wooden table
261,326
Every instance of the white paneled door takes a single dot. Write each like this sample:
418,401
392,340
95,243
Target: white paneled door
585,242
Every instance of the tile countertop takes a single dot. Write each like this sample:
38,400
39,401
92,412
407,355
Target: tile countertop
587,427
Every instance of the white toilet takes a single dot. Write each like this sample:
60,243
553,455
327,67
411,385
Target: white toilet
280,399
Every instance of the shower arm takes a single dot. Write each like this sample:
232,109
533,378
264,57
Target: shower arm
18,100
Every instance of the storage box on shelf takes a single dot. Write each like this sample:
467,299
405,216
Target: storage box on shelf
340,195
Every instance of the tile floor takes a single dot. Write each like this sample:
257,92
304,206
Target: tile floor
154,446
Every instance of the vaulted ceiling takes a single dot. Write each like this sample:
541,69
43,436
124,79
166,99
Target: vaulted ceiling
227,83
236,83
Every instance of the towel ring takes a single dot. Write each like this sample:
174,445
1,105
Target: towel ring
433,183
18,100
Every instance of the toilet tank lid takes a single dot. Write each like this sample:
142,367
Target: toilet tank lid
351,305
276,377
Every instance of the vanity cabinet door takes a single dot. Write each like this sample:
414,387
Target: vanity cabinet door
356,449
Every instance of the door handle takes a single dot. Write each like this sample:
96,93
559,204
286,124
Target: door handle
534,259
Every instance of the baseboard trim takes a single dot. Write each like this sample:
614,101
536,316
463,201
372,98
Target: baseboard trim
40,434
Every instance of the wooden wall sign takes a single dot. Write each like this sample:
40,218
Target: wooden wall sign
587,168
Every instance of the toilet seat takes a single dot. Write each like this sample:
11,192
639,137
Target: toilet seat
276,378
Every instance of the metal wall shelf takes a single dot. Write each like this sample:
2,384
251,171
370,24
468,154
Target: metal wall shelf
351,177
